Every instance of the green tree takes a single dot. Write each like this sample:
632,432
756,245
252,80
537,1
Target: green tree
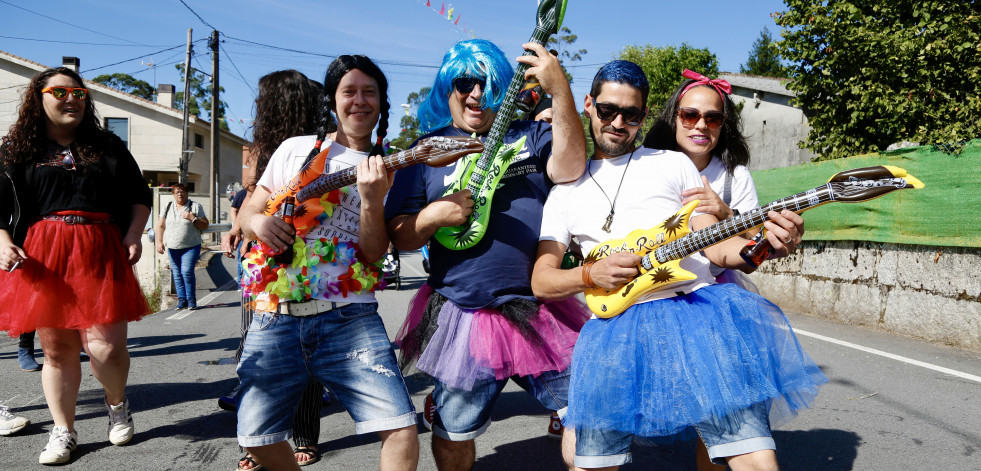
868,74
409,123
664,65
127,83
563,44
200,99
764,58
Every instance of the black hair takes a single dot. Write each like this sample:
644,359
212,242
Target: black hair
335,71
731,148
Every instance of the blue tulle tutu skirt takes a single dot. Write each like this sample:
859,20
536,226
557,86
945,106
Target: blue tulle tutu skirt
664,366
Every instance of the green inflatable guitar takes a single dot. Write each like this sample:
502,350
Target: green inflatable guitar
481,173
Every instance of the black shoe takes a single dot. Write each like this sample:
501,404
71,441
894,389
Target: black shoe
229,401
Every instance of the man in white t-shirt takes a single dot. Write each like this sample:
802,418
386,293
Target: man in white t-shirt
316,315
625,369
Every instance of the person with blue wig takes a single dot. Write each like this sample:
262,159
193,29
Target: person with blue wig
699,356
476,323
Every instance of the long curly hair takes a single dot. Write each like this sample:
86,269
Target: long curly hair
287,106
27,139
335,72
731,148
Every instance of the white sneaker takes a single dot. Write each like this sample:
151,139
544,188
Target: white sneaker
61,444
10,423
120,423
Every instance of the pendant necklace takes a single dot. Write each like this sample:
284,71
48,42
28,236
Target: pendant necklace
613,203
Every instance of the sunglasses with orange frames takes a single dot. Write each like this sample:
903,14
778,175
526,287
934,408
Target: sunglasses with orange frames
60,93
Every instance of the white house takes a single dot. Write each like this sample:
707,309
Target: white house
771,125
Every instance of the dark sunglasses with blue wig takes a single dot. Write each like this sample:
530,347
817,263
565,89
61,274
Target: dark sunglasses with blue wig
465,85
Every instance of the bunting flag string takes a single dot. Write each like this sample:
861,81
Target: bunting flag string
448,11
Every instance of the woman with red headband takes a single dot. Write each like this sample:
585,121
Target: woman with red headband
701,121
73,205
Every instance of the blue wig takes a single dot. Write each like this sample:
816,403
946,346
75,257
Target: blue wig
621,71
471,58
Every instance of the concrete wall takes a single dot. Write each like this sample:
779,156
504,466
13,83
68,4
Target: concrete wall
932,293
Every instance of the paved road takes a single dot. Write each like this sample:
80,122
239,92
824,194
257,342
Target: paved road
877,413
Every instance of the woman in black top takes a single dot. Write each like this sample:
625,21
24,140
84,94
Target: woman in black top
73,204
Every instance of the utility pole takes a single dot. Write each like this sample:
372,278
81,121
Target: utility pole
185,130
215,141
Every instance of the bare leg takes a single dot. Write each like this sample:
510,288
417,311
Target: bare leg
275,457
702,460
569,447
109,358
62,373
400,449
763,460
453,456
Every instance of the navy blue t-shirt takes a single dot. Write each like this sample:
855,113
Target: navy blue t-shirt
239,198
498,268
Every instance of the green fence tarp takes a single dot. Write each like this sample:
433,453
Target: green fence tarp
944,213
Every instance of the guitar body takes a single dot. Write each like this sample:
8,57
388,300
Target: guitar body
607,303
664,246
467,235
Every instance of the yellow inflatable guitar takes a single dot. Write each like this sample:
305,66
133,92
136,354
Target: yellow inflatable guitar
664,246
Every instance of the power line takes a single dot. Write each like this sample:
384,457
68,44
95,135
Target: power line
74,42
195,14
127,60
229,57
73,25
331,56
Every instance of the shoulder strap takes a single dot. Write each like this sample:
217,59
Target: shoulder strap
727,191
167,209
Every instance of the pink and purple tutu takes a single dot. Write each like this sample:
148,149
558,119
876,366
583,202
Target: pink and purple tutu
458,346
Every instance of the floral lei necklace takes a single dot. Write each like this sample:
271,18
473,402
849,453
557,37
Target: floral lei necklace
305,277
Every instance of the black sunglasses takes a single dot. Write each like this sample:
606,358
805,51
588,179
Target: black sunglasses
690,117
465,85
632,116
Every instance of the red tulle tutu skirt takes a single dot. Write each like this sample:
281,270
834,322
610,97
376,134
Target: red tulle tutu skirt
76,276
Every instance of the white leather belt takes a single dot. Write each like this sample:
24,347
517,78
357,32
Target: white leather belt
308,308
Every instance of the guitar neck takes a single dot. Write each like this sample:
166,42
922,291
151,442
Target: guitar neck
349,176
504,117
711,235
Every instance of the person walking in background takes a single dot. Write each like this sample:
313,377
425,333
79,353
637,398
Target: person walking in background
288,105
182,239
73,205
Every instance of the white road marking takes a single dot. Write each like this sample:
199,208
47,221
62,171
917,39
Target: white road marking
930,366
204,301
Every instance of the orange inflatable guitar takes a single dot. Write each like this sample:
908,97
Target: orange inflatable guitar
664,246
317,195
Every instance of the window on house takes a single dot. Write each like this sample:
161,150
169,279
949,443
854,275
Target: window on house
119,127
198,141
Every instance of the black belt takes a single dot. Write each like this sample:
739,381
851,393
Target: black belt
72,219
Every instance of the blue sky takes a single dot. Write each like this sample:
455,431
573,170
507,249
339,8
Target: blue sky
406,37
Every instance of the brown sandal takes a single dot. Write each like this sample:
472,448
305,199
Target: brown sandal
309,453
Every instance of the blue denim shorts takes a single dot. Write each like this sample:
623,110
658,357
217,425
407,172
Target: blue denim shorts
347,349
744,431
464,415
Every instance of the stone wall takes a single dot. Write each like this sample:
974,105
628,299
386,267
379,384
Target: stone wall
933,293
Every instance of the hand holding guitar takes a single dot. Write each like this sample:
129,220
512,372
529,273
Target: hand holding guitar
784,231
373,180
614,271
448,211
273,231
709,201
546,68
